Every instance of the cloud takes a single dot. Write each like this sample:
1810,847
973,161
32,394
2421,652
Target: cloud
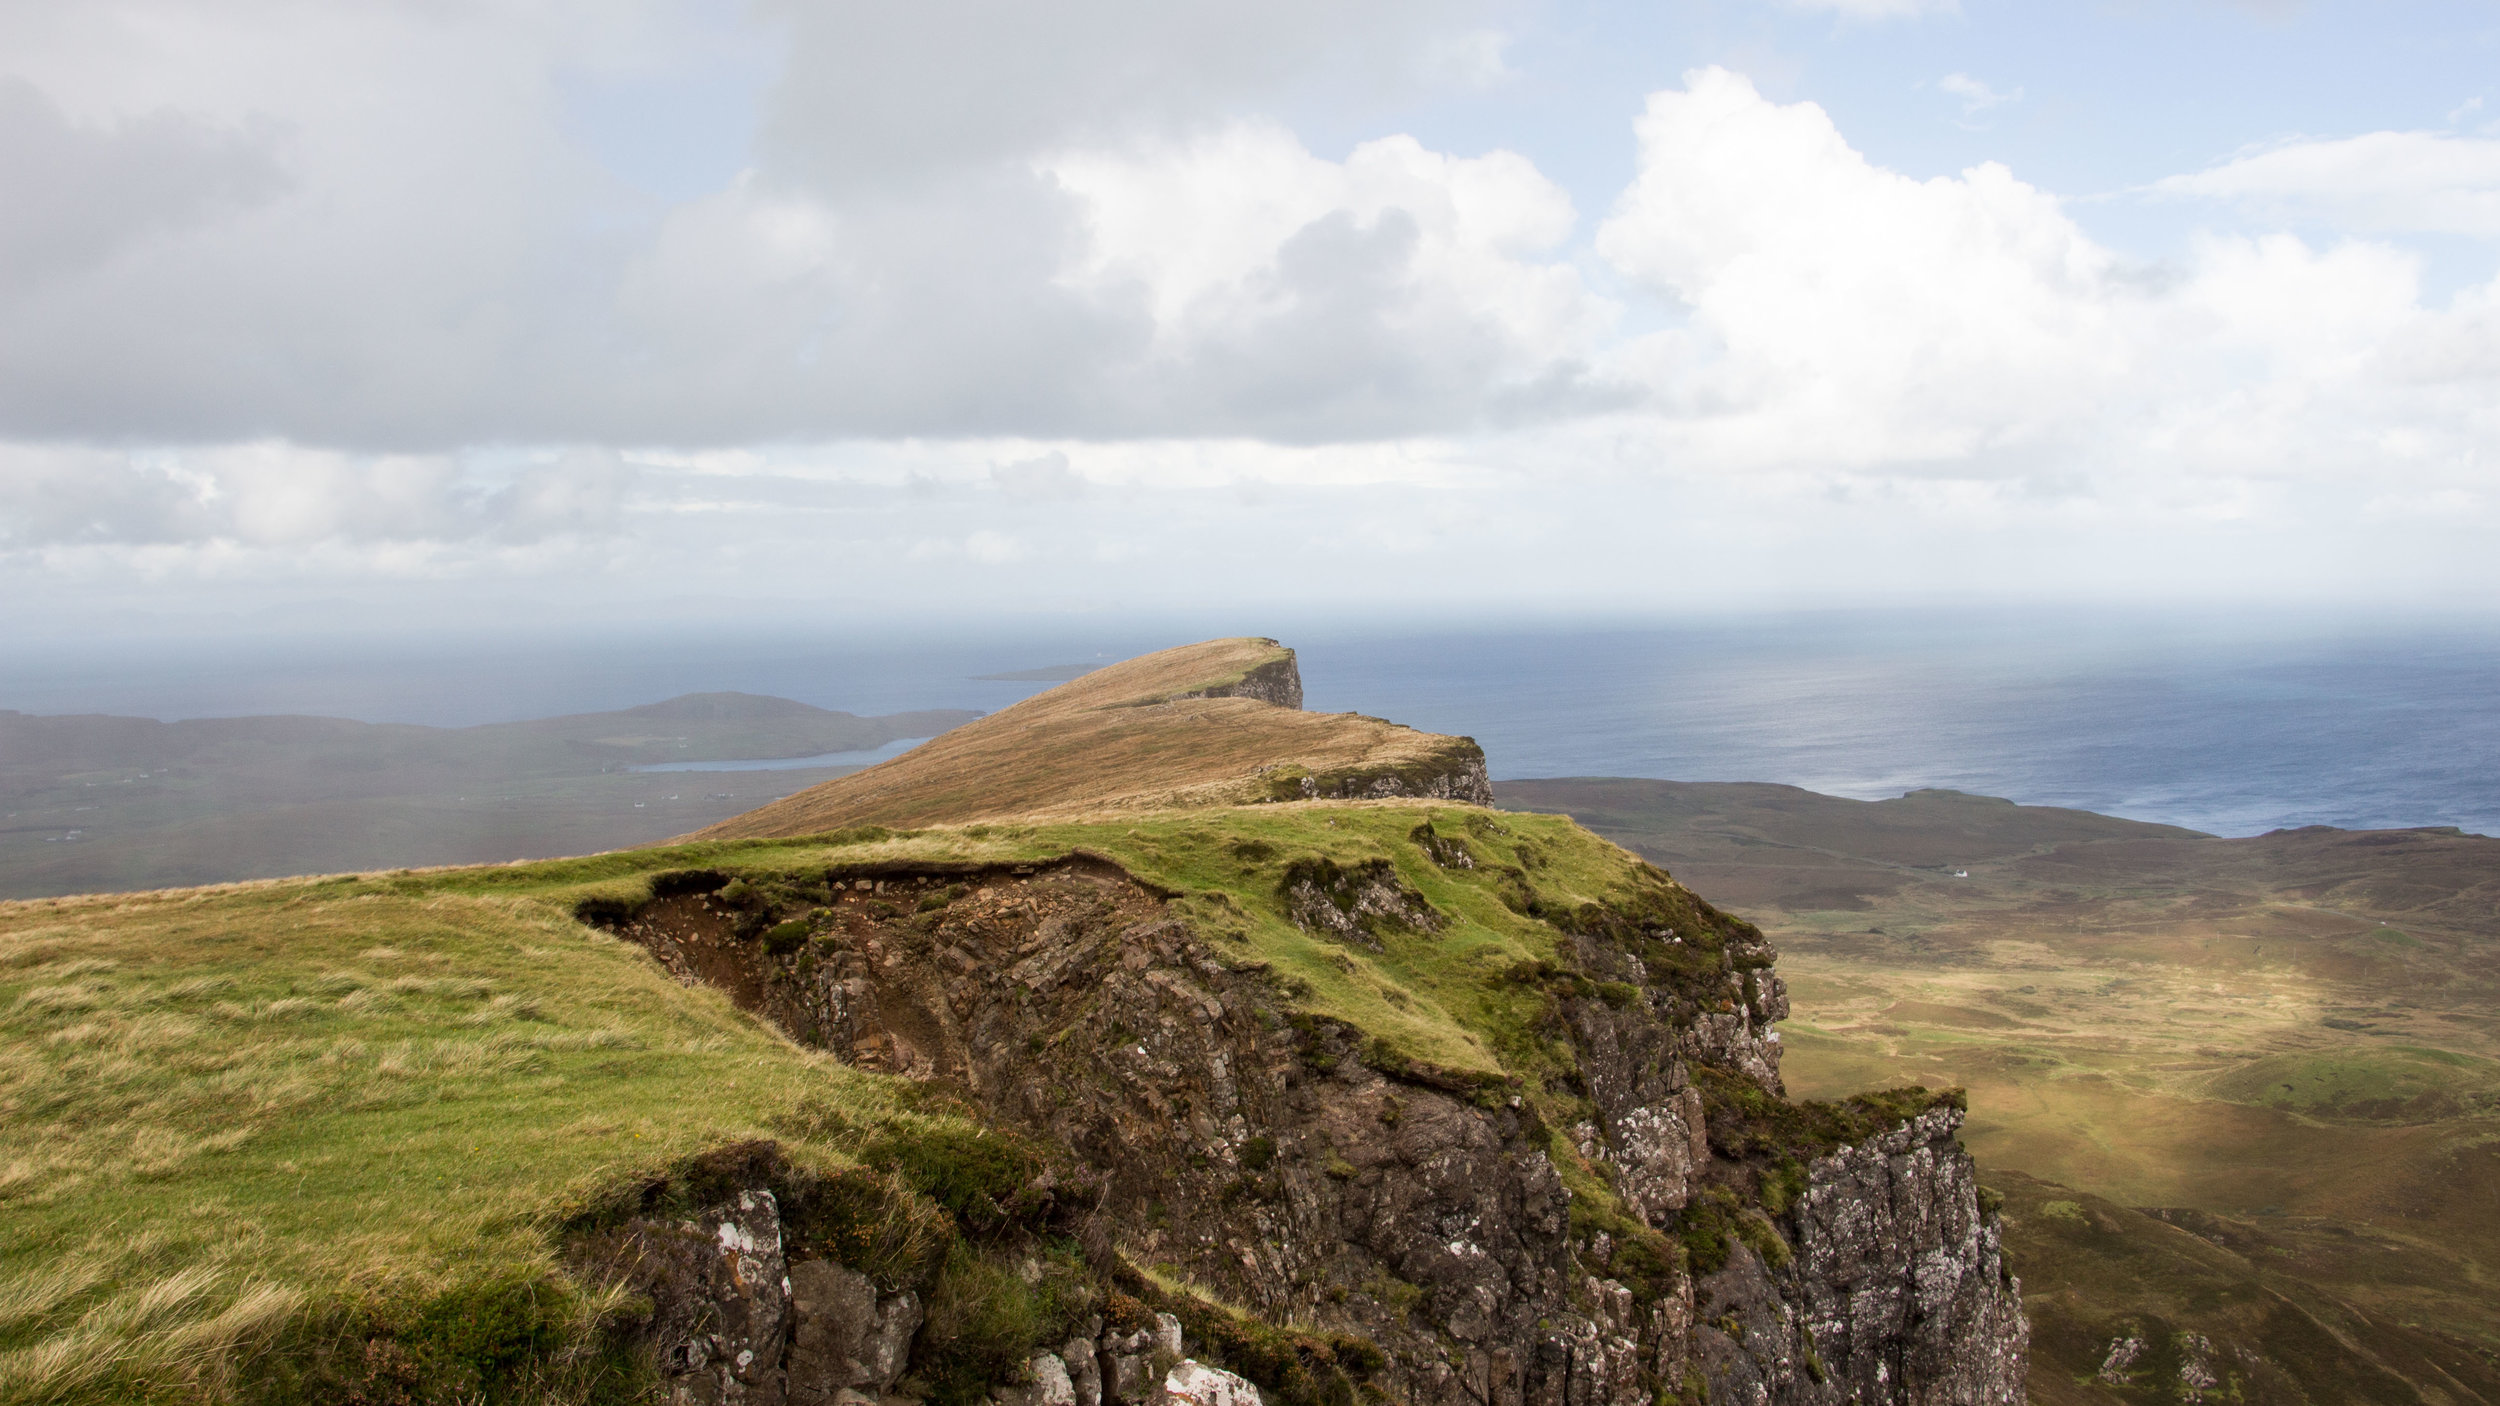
1469,60
1845,323
78,194
2411,182
1400,290
1977,97
880,96
1845,311
339,289
79,497
1045,477
993,548
936,234
274,495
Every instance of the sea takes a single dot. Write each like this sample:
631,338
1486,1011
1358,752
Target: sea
2231,725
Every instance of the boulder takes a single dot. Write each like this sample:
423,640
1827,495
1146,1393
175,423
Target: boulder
847,1337
1084,1371
721,1302
1194,1383
1048,1384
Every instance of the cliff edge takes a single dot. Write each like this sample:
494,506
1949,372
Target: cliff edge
1277,1102
1551,1168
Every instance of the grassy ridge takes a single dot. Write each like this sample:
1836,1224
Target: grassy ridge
1135,736
243,1115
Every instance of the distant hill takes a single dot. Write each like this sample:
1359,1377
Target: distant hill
94,803
1219,723
1753,842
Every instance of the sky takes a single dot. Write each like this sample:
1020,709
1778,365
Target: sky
454,314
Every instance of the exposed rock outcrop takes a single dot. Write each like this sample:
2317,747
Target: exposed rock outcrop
720,1291
845,1336
1278,681
1291,1165
1453,771
1896,1291
1353,903
733,1321
1197,1384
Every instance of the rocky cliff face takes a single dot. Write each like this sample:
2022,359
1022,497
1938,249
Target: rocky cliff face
1755,1251
1279,681
1455,772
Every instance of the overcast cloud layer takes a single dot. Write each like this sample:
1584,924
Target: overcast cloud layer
963,301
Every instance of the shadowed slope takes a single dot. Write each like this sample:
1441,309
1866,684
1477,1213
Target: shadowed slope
1218,723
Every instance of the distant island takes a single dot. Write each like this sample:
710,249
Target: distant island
92,803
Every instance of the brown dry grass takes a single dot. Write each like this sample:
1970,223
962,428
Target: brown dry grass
1124,738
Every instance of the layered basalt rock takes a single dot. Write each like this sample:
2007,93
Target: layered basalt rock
1451,771
1290,1165
1278,681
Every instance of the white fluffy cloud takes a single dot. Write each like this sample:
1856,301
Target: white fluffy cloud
1313,299
1846,318
1845,312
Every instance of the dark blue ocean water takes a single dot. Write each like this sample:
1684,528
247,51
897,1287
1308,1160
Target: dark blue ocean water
2232,726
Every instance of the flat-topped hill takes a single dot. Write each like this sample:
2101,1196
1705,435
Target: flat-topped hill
1218,723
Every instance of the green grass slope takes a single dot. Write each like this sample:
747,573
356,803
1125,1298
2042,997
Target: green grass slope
351,1119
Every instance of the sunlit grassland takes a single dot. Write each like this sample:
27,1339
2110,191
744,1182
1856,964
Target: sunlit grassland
218,1106
2186,1083
227,1112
